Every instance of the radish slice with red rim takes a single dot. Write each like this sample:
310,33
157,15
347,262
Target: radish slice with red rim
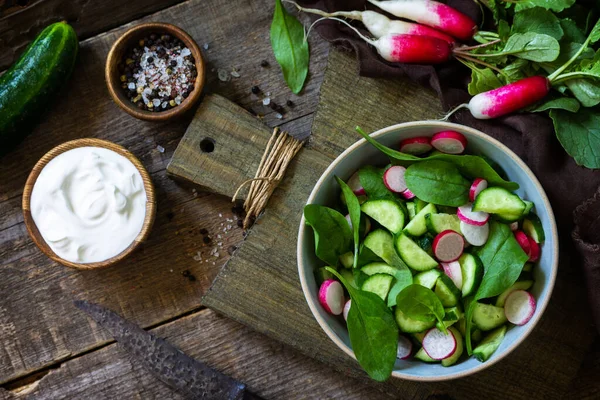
331,296
449,142
523,241
393,178
477,187
448,246
475,235
347,309
465,213
452,269
408,194
354,184
534,250
416,146
519,307
404,347
439,345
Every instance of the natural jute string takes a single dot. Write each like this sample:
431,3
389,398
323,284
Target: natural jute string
280,151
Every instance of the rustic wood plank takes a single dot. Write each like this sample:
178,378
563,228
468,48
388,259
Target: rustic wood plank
20,24
144,288
269,368
268,260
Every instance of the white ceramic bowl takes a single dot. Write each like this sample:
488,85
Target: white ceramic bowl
361,153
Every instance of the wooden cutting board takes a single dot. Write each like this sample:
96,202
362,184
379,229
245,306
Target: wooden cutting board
259,286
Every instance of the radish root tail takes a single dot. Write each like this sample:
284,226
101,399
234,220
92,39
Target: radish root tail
363,37
454,110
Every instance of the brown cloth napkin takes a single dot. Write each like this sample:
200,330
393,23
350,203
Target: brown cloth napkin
531,136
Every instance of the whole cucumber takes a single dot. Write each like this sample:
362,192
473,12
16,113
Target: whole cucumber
31,84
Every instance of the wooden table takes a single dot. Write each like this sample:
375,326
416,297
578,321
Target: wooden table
49,350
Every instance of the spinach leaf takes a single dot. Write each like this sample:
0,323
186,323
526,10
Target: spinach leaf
290,47
371,179
354,212
403,279
470,166
537,20
381,243
483,80
532,46
367,256
420,303
579,134
554,5
373,332
503,260
333,236
437,182
558,103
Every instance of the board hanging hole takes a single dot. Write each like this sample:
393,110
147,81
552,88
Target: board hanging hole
207,145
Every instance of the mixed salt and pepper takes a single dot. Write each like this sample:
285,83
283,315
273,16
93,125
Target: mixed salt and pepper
159,73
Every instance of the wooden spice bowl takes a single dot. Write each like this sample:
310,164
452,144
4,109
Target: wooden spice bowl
88,142
127,41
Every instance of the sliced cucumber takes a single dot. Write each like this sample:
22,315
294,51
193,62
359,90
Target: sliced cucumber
321,275
419,336
349,277
472,273
379,284
410,325
446,362
417,225
528,207
528,267
508,218
423,356
447,291
381,243
437,223
425,242
347,259
519,285
415,257
387,212
452,316
532,226
410,206
488,317
379,268
497,200
419,205
476,335
427,278
489,344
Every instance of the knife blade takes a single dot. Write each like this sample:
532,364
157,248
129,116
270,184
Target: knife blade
191,378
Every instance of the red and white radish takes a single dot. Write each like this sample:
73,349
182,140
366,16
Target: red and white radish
454,272
449,142
408,194
523,241
477,187
439,345
408,49
433,14
519,307
448,246
466,214
416,145
534,250
354,184
404,348
347,309
475,235
514,226
379,25
331,296
393,178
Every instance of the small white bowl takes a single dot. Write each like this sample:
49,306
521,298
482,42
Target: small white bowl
326,192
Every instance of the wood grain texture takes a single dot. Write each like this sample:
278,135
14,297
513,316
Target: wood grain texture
268,260
270,369
143,289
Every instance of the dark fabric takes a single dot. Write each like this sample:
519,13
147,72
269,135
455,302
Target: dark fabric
530,136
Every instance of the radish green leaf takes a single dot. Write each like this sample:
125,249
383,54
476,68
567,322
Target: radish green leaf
537,20
532,46
579,134
554,5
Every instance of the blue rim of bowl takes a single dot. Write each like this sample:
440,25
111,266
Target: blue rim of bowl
312,303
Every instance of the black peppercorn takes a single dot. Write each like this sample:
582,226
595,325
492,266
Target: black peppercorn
153,36
264,63
150,59
255,89
289,103
173,63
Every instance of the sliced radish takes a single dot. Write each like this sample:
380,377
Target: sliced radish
534,250
477,187
331,296
408,194
416,145
449,142
475,235
354,184
393,178
452,269
519,307
514,226
466,214
439,345
404,348
347,309
523,241
448,246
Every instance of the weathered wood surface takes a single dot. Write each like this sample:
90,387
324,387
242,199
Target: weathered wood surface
143,289
268,259
269,368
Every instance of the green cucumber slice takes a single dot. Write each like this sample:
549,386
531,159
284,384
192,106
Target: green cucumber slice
528,207
488,317
437,223
472,273
489,344
321,275
532,226
447,291
379,268
497,200
410,206
388,213
347,259
415,257
379,284
423,356
427,278
417,226
409,325
446,362
519,285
